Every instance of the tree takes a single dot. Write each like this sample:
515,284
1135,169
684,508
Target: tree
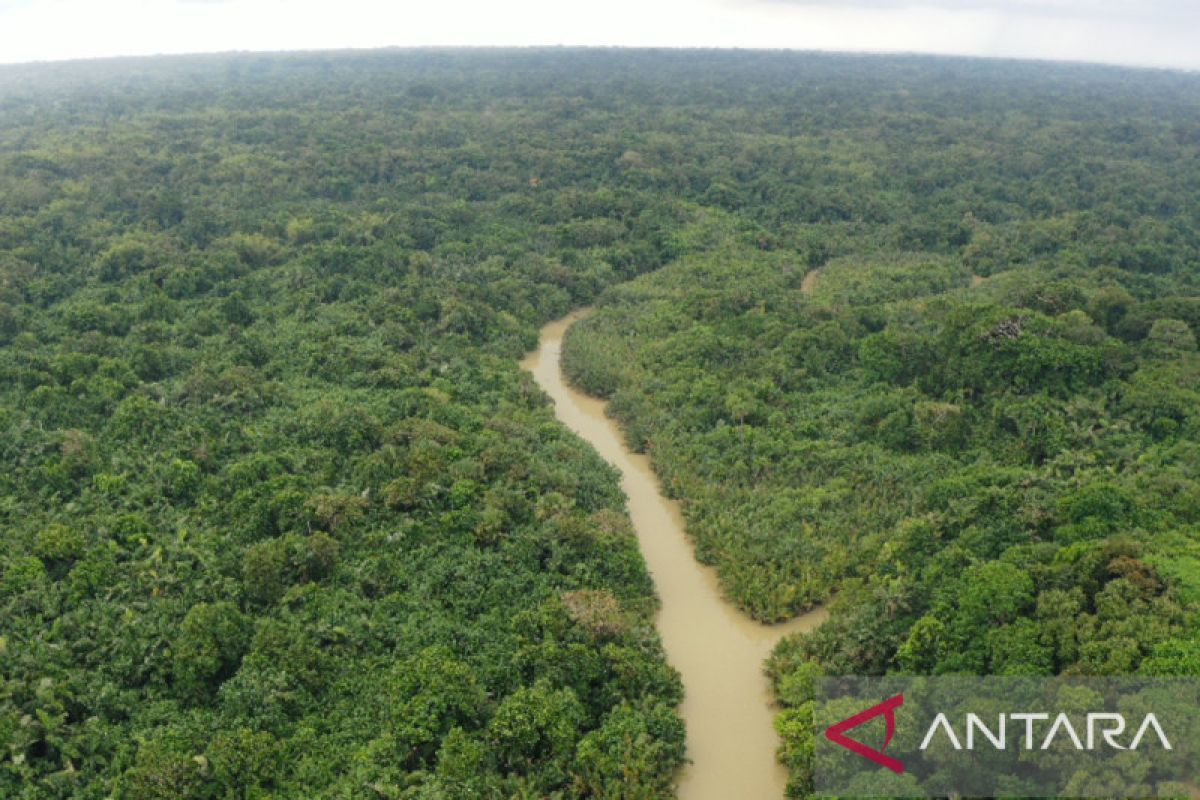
208,649
426,697
537,725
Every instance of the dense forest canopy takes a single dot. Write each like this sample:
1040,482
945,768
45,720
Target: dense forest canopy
966,405
279,516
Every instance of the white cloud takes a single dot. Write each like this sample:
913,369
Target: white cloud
1163,34
1161,10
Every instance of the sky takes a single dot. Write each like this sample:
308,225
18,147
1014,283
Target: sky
1159,33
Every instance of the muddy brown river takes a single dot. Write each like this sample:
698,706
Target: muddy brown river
718,650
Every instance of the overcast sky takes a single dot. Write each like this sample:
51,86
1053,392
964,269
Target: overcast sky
1137,32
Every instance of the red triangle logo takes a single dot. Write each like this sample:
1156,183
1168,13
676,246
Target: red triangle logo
836,733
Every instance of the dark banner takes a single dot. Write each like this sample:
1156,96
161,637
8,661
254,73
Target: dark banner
957,736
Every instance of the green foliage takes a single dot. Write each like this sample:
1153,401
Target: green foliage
164,769
1168,336
279,517
536,725
271,567
631,755
966,413
428,696
208,649
274,497
59,543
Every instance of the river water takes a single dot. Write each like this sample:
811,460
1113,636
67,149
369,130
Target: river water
718,650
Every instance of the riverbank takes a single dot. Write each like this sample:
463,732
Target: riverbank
718,650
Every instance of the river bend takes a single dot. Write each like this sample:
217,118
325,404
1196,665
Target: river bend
718,650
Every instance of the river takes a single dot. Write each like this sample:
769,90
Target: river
718,650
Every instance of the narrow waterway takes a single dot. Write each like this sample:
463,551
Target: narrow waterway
719,651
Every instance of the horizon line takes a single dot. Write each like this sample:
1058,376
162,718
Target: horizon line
865,52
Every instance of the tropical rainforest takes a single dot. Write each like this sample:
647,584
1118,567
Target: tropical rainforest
280,517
